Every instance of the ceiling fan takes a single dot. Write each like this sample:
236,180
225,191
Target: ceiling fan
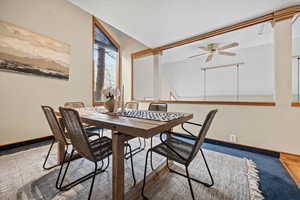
213,48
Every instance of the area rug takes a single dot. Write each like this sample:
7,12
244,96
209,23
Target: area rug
22,178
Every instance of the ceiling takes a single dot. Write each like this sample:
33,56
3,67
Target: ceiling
159,22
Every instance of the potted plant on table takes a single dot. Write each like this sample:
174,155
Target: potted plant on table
110,95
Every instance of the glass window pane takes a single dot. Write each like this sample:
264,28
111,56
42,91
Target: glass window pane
105,64
176,77
102,39
220,84
238,66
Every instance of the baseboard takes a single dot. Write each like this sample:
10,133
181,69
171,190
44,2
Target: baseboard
244,147
24,143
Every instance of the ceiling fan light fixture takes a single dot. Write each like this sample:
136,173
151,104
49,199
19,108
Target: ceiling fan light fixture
213,48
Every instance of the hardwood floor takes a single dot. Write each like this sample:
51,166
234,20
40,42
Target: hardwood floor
292,164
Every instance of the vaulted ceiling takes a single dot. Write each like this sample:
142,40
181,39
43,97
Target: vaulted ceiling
158,22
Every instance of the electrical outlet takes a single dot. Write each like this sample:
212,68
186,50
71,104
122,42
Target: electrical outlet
233,138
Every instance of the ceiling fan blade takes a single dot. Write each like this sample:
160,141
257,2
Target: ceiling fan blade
209,58
204,48
226,53
234,44
201,54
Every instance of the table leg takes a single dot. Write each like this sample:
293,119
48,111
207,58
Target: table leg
118,166
60,147
60,152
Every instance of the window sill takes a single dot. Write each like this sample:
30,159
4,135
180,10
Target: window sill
97,103
238,103
295,104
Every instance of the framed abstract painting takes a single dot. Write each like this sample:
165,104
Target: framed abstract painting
23,51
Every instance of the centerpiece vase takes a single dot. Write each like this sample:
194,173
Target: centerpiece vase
109,105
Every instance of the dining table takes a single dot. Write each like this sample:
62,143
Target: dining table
125,127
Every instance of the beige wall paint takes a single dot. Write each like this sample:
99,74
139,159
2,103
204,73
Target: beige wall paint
21,117
283,62
265,127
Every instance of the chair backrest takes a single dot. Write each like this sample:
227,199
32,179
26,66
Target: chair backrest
76,104
158,107
132,105
76,132
55,127
203,132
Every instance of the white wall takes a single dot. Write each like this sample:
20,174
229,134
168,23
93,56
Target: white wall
143,78
21,117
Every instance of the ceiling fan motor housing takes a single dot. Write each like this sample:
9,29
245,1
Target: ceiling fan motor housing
213,47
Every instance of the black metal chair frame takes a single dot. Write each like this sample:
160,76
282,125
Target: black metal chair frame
187,161
60,136
86,177
49,151
138,149
91,174
79,180
47,156
151,139
59,129
53,142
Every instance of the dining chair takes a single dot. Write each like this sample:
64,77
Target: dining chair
94,151
175,149
162,107
80,104
74,104
60,136
57,131
134,106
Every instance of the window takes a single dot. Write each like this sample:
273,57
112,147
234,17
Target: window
233,66
106,62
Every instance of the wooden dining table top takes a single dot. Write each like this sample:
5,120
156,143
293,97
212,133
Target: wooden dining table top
136,127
